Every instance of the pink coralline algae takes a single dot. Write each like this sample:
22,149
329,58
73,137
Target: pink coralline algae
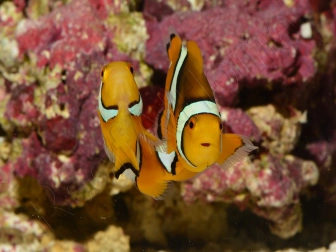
238,122
258,45
269,186
21,108
53,104
66,151
60,36
270,64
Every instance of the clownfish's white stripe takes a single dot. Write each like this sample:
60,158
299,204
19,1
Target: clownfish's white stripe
166,159
200,107
183,55
136,109
107,114
129,174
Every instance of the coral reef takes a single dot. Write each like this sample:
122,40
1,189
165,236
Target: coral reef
113,239
18,233
257,44
272,67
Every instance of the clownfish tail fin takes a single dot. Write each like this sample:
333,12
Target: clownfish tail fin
235,149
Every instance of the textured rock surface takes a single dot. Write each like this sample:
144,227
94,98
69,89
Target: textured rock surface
251,44
18,233
272,67
113,239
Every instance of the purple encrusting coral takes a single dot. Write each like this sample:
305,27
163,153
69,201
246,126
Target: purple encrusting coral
58,37
274,60
254,44
64,152
271,184
243,46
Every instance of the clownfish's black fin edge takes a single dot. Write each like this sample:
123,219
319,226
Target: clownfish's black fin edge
124,167
159,130
167,47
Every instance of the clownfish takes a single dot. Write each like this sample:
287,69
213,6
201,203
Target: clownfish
119,110
156,174
190,122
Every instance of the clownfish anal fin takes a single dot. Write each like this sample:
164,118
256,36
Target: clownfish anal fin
167,191
235,149
158,189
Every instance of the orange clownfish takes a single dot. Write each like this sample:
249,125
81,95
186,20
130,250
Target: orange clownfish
191,123
158,170
119,109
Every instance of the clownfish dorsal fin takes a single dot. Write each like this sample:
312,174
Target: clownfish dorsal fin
195,55
173,49
177,53
193,70
235,149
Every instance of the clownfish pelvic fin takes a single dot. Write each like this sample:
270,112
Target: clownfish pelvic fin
235,148
160,145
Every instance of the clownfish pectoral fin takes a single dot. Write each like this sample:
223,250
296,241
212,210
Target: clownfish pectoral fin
235,148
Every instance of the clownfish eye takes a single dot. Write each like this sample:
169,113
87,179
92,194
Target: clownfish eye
191,125
131,69
102,73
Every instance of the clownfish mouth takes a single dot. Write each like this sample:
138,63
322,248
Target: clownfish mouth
205,144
